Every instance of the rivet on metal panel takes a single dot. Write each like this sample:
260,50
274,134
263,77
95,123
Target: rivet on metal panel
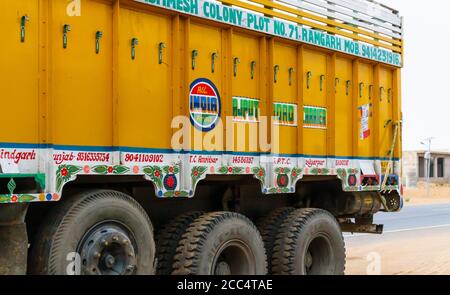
276,69
252,69
161,47
214,57
291,72
194,55
308,79
98,36
322,78
66,29
134,43
23,20
347,86
236,61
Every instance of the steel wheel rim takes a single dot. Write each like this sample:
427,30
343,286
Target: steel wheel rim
319,256
234,258
108,248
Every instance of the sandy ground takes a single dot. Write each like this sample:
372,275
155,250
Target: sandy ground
438,194
418,253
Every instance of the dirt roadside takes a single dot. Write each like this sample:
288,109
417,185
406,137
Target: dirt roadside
438,194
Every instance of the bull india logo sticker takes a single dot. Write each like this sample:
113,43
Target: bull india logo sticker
204,105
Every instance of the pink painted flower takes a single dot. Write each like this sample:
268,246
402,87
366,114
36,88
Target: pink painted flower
212,169
136,169
247,170
86,169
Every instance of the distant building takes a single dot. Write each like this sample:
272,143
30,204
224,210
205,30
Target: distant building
415,169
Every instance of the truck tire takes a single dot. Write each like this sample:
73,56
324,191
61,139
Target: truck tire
309,242
96,232
221,243
168,239
269,227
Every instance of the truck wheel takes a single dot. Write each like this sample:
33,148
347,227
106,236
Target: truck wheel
168,239
222,243
97,232
269,227
309,242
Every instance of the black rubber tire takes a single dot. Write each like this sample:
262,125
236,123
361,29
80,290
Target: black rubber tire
269,226
204,241
168,238
66,225
309,237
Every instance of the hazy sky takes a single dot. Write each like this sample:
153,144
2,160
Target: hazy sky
426,78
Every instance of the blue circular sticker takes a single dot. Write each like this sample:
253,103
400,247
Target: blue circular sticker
204,105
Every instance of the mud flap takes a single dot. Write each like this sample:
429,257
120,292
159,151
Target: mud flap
13,239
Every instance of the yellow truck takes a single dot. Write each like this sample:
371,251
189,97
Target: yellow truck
195,136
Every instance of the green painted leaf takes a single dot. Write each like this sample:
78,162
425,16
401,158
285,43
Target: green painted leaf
223,170
121,169
11,186
26,198
59,183
4,199
238,170
102,169
73,169
148,170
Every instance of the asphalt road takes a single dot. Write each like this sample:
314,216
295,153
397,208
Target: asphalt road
415,241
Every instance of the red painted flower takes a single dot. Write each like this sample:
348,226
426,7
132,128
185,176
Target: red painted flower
177,194
230,170
261,173
171,169
283,181
294,173
157,173
196,173
110,169
64,172
319,171
14,199
170,182
136,169
282,170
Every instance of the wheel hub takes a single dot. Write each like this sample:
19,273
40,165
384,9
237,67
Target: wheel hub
107,250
